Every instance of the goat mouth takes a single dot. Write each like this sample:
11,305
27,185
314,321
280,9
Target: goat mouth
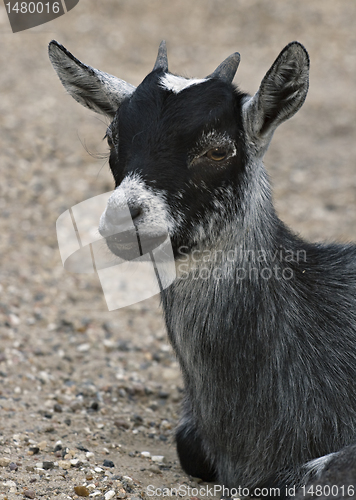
130,245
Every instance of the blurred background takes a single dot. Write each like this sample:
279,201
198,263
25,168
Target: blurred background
52,150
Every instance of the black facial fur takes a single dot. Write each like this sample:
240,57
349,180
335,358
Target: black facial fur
154,122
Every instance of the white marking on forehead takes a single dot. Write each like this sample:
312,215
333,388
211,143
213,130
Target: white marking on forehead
178,83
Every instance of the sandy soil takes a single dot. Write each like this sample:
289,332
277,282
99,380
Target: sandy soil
78,384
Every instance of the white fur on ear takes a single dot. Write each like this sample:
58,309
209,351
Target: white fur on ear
94,89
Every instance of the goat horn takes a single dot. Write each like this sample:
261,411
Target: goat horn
161,61
227,69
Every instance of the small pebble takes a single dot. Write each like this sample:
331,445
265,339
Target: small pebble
13,466
81,491
83,347
121,423
76,406
158,458
82,448
165,425
48,465
42,445
108,463
14,320
155,469
29,493
137,419
97,493
138,389
146,454
70,453
109,494
94,406
64,464
57,408
4,462
10,484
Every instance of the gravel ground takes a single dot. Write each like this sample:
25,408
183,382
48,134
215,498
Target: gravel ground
84,391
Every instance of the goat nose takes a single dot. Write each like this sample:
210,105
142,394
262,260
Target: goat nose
116,217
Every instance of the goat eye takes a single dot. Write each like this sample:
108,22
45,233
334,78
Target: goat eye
217,154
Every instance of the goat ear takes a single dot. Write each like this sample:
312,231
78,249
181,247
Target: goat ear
94,89
282,92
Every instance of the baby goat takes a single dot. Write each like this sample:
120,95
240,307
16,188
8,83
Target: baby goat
263,323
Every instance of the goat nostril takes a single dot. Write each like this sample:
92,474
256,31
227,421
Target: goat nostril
135,212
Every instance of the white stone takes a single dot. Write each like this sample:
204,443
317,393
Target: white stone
83,347
128,479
